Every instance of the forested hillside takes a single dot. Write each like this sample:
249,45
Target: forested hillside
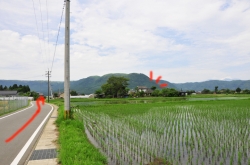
91,84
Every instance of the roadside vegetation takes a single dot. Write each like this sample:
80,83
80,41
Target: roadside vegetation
74,147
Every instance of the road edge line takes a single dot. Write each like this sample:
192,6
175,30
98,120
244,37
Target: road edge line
25,147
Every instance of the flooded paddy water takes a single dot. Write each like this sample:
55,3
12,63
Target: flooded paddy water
179,134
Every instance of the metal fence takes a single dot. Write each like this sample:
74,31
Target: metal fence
8,104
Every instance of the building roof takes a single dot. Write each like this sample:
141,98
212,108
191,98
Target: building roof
142,87
8,93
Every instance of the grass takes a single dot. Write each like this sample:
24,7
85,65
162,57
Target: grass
75,148
74,145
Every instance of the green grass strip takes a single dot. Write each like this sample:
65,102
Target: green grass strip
75,147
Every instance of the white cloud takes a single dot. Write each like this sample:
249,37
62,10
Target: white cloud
181,40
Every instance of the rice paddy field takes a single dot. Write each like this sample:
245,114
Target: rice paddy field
174,130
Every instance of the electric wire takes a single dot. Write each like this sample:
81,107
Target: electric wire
43,31
41,50
48,27
57,36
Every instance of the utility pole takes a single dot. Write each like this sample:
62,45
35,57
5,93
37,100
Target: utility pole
67,62
48,73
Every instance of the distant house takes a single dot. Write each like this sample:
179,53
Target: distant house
79,96
146,90
83,96
92,96
8,93
61,95
182,93
131,91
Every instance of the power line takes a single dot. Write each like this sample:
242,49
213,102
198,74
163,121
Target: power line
38,32
48,27
57,36
43,30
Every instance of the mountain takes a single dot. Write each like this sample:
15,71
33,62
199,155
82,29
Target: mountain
87,85
91,84
199,86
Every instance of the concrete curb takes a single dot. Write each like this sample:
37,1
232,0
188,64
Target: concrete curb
44,152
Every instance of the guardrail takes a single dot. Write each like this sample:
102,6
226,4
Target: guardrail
8,104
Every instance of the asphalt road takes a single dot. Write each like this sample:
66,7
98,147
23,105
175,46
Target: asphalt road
18,150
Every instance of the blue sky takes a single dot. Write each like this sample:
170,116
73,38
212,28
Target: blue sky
183,41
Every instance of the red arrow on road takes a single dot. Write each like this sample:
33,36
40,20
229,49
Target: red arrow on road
40,98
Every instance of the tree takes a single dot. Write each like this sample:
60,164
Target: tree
189,92
73,93
238,90
115,86
56,95
98,91
35,95
1,87
205,91
141,93
227,91
14,86
153,88
216,89
136,90
156,93
107,89
246,91
26,89
169,92
127,90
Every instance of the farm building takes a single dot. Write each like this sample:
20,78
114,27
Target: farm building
8,93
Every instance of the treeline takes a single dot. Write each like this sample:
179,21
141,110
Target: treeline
23,90
166,92
15,87
116,87
225,91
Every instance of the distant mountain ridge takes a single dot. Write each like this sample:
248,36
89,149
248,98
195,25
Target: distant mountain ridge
91,84
199,86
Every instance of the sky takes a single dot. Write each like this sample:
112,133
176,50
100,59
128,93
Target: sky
182,41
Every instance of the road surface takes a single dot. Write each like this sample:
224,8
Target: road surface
18,150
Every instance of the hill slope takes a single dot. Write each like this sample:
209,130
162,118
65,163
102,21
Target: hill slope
91,84
199,86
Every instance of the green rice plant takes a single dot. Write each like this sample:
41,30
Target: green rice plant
141,132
